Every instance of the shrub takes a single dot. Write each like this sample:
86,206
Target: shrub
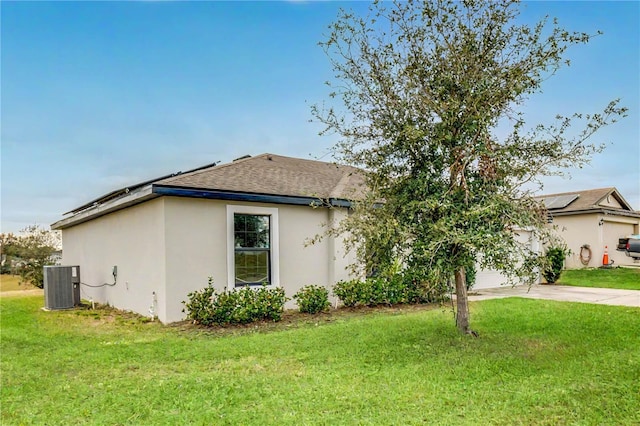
393,290
554,263
267,303
199,308
312,299
208,307
418,290
348,292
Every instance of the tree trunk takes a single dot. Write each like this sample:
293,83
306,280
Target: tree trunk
462,302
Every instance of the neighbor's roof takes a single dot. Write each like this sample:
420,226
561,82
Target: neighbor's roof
587,201
267,178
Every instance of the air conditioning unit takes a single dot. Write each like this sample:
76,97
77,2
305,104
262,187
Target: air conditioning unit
61,287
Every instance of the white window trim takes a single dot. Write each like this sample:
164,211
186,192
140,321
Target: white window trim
274,251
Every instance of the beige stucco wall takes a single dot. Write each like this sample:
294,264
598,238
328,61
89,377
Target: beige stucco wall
610,201
597,230
340,260
302,264
168,247
131,239
195,234
196,245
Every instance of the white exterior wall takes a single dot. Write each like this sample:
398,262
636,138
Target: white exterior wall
131,239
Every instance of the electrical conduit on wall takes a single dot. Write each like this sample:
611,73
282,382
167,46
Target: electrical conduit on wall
153,308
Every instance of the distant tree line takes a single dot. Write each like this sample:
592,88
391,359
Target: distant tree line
27,253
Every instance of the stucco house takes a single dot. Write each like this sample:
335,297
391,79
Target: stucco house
596,218
245,222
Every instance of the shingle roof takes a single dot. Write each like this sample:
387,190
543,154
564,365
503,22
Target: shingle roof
579,201
275,175
264,178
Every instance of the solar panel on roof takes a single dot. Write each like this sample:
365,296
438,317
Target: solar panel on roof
560,201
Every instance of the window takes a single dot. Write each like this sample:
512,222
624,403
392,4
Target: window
252,255
251,249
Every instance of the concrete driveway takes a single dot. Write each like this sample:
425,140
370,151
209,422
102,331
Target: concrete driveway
602,296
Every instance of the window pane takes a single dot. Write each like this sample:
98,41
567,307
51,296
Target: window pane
252,255
262,238
239,222
251,231
251,267
240,240
252,239
252,222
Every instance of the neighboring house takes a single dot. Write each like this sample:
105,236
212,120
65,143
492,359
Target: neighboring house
596,218
56,257
245,222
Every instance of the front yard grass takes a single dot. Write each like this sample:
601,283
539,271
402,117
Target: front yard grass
12,283
536,363
623,278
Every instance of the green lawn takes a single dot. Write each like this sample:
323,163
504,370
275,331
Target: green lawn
624,278
12,283
535,363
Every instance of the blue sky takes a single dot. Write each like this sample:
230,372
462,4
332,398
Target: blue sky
98,95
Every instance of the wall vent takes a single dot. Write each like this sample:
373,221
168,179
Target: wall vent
61,287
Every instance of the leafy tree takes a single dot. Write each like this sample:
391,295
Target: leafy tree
31,251
7,248
423,88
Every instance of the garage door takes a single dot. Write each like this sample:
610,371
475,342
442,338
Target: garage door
488,278
611,232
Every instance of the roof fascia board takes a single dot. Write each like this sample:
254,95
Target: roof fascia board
244,196
153,191
118,192
338,202
595,211
134,197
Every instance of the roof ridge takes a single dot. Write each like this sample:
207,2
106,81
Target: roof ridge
311,160
205,169
588,199
254,157
610,188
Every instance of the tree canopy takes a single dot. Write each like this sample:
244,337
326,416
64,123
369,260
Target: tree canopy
420,92
26,254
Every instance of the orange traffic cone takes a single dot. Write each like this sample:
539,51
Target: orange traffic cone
605,257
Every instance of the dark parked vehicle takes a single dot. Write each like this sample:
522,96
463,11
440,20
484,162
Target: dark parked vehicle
630,245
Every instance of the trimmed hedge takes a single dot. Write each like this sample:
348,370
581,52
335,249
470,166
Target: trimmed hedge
555,262
239,306
312,299
383,291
